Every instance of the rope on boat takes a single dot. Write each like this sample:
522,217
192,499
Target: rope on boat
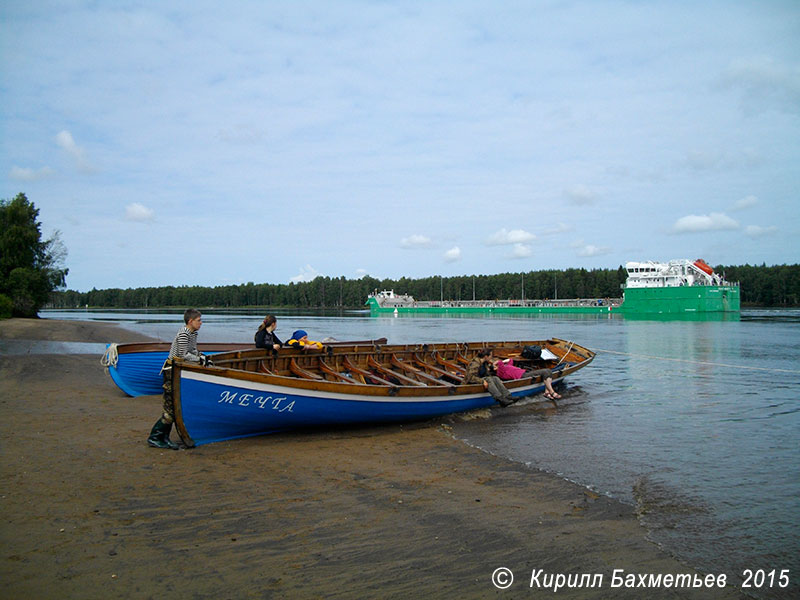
701,362
110,358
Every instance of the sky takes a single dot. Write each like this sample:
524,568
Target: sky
208,143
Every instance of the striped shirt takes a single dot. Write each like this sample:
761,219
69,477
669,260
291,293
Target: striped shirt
184,346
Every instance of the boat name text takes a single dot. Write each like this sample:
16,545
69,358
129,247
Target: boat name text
278,403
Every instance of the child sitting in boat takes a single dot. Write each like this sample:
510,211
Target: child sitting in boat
300,341
507,370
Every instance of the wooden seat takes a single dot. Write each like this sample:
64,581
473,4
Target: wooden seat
303,373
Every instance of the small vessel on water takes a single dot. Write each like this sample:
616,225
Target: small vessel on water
136,367
252,392
679,287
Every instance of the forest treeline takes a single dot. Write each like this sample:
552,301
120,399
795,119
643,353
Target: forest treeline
761,286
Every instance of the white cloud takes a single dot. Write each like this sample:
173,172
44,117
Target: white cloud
521,251
700,223
744,203
25,174
580,195
453,255
138,212
67,143
415,241
361,273
758,231
307,273
590,250
515,236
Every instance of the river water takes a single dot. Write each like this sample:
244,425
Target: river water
694,423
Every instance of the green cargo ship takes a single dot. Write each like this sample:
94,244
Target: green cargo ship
679,288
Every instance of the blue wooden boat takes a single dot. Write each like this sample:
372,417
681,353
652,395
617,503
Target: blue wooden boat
249,393
136,367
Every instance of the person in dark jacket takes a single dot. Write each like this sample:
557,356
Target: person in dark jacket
265,336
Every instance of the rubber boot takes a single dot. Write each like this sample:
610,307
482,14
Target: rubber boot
167,431
159,436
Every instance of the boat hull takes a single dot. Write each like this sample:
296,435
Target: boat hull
681,300
216,408
484,309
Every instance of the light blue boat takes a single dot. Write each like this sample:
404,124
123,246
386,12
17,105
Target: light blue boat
249,393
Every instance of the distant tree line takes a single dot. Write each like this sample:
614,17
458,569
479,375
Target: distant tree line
761,286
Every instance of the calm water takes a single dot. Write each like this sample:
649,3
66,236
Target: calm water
695,423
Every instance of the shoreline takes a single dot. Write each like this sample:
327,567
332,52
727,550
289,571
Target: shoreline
392,511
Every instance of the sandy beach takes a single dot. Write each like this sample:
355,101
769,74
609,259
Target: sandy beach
399,511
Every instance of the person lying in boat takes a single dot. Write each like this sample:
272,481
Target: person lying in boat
265,336
299,340
506,369
481,370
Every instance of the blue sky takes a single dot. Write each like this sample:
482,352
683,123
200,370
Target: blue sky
206,143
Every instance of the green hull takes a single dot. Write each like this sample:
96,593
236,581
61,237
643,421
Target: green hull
681,300
376,309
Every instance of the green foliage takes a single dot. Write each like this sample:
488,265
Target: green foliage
5,306
29,266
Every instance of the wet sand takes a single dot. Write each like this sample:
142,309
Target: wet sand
399,511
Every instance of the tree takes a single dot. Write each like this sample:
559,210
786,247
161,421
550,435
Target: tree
30,268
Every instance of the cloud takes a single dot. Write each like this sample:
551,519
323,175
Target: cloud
755,231
139,213
66,142
521,251
415,241
580,195
589,250
714,160
307,273
515,236
764,84
24,174
453,255
558,228
361,273
744,203
701,223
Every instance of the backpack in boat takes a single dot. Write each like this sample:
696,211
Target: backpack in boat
532,352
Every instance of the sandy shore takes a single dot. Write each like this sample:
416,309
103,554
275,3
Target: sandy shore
90,511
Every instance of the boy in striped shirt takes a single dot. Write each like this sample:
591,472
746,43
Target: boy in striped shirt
184,347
